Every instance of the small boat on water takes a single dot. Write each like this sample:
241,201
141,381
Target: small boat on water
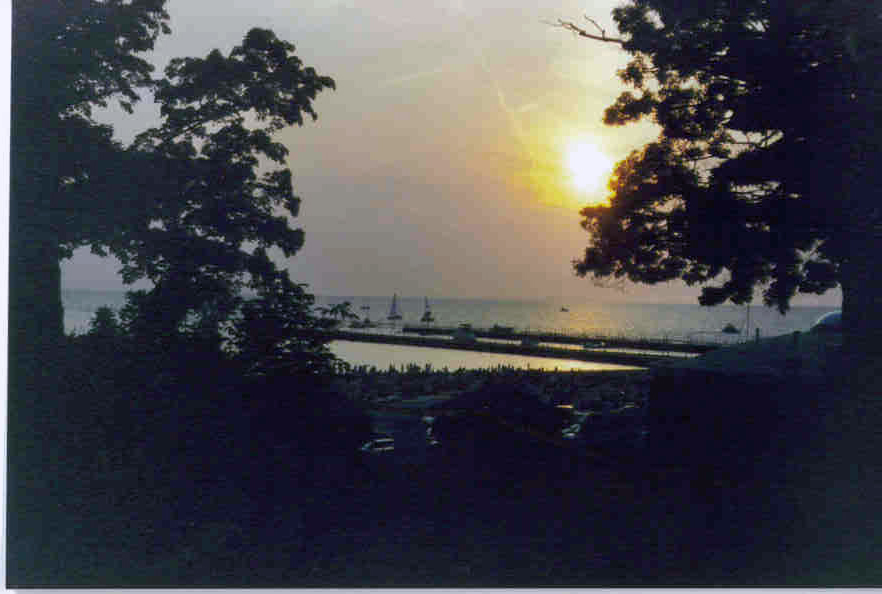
427,315
393,311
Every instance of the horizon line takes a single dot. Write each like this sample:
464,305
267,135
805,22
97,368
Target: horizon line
556,298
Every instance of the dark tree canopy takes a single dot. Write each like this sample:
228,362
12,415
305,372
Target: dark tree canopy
211,205
764,173
193,205
214,383
67,57
71,56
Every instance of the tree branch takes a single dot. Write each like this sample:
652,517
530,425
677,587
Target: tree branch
570,26
593,22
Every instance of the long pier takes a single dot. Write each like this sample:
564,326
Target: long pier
651,353
544,336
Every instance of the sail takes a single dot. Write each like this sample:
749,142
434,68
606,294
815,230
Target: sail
427,316
393,311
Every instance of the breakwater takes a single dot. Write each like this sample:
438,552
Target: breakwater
604,354
594,340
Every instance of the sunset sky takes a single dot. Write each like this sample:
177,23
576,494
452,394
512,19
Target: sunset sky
454,155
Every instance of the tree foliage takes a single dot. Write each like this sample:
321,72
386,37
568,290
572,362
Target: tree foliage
194,204
762,175
278,332
104,323
214,205
339,312
67,58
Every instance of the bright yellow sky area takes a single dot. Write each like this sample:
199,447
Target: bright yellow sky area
589,168
568,170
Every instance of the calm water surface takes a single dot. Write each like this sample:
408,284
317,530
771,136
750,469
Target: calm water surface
674,321
632,320
382,356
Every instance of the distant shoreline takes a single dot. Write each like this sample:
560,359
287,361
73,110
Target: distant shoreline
537,300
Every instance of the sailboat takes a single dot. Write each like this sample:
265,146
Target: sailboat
393,311
427,315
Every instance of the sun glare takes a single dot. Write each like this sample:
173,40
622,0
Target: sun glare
589,168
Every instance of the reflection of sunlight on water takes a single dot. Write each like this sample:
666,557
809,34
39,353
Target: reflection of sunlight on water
577,347
382,356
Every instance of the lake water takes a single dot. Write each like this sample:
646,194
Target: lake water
634,320
675,321
382,356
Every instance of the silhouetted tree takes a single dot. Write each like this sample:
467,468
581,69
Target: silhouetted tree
277,333
193,205
104,323
67,58
211,213
764,173
190,205
339,312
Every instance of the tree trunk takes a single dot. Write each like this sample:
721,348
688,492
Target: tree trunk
35,309
36,319
36,332
844,504
862,310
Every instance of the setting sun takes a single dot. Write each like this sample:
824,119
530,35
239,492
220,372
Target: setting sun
589,167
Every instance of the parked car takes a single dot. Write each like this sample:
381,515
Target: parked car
572,432
378,445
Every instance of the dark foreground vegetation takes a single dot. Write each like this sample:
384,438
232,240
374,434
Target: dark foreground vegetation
179,466
181,470
136,447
